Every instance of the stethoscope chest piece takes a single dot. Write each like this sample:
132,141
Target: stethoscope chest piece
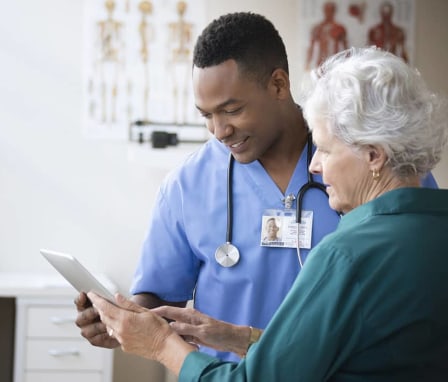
227,255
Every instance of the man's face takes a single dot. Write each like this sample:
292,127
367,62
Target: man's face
239,112
271,229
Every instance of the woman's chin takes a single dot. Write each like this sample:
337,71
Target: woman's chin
334,204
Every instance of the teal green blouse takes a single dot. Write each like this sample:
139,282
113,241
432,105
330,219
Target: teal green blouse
371,303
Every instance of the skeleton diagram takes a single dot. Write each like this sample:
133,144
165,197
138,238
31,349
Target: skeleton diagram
146,33
180,35
109,62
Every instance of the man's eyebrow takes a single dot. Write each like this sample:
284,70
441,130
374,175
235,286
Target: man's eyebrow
222,105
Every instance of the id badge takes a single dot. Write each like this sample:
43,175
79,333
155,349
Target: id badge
279,229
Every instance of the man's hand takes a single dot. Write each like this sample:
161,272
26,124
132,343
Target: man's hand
92,329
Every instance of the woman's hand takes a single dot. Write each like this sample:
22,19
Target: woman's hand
141,332
198,328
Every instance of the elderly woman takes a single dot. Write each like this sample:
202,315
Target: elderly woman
371,303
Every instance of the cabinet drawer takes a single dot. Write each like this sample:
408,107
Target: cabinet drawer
63,355
62,377
52,322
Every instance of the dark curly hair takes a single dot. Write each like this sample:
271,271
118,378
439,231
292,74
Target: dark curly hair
249,39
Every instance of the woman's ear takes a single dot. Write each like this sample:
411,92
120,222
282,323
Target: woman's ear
376,157
279,82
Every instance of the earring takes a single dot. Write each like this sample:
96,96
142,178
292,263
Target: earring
375,174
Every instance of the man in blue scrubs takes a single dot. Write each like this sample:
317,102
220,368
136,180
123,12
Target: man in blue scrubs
241,87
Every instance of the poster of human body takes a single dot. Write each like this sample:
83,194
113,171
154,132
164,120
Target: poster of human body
327,27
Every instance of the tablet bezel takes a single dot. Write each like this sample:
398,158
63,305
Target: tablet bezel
76,274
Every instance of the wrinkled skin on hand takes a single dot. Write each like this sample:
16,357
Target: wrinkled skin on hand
200,329
142,332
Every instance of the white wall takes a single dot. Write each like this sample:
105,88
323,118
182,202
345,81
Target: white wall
432,57
57,189
62,191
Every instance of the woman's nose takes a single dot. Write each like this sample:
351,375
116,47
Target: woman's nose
315,166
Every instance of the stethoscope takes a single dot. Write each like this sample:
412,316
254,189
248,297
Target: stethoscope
311,183
227,254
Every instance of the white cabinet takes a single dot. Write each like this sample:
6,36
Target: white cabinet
49,346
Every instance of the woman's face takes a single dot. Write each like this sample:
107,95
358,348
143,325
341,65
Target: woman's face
345,172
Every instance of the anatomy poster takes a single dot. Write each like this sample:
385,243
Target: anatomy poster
137,63
327,27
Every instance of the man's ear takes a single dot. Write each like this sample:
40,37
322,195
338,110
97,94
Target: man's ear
376,157
279,83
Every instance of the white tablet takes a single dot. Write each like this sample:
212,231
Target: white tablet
76,274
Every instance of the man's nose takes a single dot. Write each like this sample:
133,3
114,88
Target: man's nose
218,125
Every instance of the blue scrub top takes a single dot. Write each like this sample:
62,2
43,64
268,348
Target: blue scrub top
188,224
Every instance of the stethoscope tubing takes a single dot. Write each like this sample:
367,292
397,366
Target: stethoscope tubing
311,183
227,254
229,230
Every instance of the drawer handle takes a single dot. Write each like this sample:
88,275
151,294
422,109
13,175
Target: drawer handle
62,320
63,353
